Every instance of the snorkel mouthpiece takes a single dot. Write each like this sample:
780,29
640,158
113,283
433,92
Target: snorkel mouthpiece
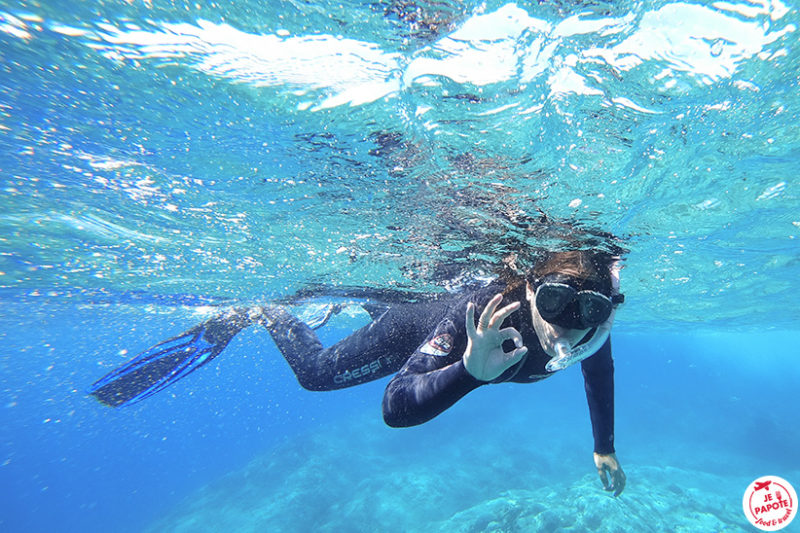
563,357
562,349
567,355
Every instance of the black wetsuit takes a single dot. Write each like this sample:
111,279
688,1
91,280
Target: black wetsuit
424,344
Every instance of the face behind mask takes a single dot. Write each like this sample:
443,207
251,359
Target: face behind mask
562,344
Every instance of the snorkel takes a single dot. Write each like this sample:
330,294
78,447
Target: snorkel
563,345
567,355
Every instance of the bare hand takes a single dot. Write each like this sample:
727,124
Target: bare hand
484,357
607,464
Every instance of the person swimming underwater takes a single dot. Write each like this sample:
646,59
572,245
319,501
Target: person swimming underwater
558,314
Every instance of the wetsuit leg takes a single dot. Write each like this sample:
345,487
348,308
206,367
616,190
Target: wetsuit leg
374,351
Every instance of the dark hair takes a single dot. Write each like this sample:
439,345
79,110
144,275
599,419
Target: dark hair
589,268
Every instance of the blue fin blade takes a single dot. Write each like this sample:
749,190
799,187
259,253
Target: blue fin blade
155,369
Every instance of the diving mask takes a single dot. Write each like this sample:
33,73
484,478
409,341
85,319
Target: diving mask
560,303
563,314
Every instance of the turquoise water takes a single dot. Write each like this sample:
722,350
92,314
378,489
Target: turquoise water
161,159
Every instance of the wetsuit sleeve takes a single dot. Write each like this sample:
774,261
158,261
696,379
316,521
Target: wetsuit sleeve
598,376
431,380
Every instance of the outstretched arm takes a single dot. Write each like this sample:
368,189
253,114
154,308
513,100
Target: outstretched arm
598,375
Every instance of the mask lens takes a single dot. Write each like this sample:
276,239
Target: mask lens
595,308
552,298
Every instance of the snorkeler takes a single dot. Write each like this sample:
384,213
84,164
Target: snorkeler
559,314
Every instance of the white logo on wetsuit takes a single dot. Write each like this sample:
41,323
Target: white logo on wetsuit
439,345
357,373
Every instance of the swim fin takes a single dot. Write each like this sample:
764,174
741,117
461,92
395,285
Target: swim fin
318,315
168,361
